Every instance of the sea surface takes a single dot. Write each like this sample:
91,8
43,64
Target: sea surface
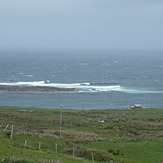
103,79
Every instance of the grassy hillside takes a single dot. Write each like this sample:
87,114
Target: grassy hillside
84,136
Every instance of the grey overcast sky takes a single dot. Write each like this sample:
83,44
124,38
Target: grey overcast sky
108,24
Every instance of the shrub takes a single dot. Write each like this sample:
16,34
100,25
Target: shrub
117,152
86,153
15,160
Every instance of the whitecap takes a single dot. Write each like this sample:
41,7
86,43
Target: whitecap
138,91
35,83
29,75
85,84
81,87
84,87
47,81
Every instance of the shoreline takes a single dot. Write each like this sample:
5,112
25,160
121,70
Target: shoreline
34,89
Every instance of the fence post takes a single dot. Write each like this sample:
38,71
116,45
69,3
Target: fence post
92,157
60,129
6,127
39,145
25,143
73,152
12,130
56,148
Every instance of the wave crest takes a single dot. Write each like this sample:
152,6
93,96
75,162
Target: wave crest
84,87
81,87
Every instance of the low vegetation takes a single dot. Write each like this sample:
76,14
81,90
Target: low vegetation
81,136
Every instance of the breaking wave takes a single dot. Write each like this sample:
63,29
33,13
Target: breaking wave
84,87
138,91
35,83
80,87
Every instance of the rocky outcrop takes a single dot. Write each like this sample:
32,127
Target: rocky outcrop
35,88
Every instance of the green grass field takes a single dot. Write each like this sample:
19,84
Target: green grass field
81,136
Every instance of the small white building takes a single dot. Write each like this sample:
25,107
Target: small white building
135,106
101,121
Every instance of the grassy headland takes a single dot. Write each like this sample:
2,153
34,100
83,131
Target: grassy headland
81,136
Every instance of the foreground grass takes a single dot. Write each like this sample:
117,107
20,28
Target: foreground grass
129,136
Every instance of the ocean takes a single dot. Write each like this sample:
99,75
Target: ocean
102,79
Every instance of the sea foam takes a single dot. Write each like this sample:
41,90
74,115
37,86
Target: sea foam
84,87
80,87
